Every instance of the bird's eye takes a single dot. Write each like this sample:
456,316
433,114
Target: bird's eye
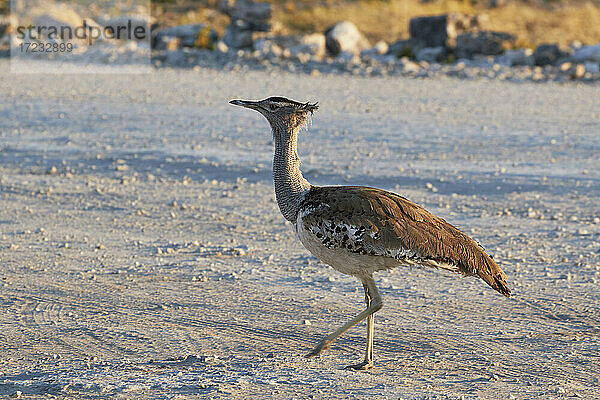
273,107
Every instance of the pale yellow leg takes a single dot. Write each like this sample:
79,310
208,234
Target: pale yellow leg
374,303
367,363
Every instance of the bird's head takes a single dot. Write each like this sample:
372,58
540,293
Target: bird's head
281,113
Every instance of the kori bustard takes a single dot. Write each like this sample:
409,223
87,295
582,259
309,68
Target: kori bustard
360,230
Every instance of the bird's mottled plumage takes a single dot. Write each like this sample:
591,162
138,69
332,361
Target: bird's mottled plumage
377,223
360,230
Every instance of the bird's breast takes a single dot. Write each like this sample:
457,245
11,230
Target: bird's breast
340,258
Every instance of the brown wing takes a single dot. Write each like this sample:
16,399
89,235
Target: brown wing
388,222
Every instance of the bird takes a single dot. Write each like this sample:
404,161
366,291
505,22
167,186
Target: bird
361,230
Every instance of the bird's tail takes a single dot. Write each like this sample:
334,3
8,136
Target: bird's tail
494,276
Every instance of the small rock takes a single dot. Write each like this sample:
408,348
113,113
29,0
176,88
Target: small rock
411,67
222,47
547,54
564,67
578,72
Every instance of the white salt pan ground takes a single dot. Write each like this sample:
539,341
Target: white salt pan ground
143,256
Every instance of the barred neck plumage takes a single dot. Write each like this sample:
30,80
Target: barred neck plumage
290,185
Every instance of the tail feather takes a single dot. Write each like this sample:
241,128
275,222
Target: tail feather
494,276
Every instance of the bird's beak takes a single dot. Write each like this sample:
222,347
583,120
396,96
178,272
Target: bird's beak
245,103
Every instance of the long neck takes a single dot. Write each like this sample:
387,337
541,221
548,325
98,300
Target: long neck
290,185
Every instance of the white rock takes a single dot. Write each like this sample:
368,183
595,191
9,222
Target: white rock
345,37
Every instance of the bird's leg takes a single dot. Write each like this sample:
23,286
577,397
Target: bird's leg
368,361
373,306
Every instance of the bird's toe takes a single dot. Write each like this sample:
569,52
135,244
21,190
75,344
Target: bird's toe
363,366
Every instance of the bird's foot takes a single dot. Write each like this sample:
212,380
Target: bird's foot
323,345
363,366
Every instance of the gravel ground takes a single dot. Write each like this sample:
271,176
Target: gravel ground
143,256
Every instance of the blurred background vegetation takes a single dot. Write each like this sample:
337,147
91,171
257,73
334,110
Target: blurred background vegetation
533,21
